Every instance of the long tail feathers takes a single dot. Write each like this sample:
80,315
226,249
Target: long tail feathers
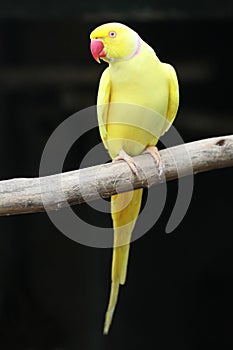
125,209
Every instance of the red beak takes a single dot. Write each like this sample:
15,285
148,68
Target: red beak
97,49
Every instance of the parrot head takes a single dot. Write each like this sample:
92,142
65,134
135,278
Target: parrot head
114,42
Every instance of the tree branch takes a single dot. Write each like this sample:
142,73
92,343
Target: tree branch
30,195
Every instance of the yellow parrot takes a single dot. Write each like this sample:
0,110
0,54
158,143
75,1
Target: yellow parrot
137,102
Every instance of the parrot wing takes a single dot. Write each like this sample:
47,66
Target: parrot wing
173,99
103,100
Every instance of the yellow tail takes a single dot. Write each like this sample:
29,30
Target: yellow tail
125,209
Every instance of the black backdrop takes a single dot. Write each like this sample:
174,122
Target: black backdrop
53,291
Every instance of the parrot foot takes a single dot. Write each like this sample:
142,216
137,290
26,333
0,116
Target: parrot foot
153,150
129,160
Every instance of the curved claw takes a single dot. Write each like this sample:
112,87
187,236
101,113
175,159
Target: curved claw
129,160
153,150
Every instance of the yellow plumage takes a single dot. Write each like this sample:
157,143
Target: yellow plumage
137,102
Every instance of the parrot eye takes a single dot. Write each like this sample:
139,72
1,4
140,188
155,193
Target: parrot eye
112,34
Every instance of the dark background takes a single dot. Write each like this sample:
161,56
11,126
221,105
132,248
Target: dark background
53,291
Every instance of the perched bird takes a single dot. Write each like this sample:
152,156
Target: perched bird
137,102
